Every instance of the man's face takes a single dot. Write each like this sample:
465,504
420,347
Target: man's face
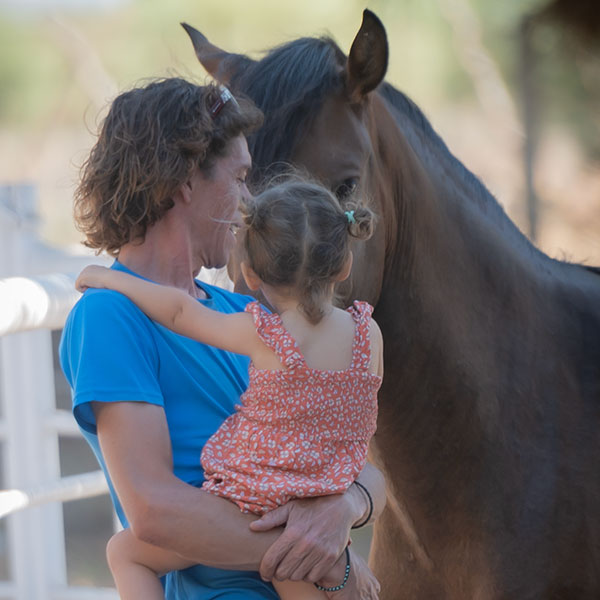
217,197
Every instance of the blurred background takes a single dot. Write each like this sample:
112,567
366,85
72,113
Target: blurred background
512,87
461,61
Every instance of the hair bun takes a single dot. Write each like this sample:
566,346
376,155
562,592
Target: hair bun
360,221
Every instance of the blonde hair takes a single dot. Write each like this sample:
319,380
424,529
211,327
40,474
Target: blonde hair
297,235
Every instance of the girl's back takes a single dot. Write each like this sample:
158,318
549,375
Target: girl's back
302,428
327,346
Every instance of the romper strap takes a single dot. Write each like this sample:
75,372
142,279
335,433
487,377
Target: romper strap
361,346
271,331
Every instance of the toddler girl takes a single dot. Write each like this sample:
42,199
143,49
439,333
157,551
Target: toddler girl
304,423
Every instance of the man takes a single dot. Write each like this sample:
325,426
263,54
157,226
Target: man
160,192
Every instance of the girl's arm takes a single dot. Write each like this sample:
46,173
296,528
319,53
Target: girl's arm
376,348
176,310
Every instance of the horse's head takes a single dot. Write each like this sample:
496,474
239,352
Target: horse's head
319,116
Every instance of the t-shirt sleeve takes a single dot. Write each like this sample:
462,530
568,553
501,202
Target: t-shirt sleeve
108,354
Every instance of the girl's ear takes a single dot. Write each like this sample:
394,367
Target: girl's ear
252,280
346,269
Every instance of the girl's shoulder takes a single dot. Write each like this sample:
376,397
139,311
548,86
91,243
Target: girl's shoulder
368,337
361,311
262,317
268,325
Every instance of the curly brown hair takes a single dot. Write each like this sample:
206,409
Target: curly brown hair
152,140
297,235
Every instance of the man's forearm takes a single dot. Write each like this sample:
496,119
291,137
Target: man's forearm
164,511
213,531
161,508
203,528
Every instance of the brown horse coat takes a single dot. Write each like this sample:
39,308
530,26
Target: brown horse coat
489,427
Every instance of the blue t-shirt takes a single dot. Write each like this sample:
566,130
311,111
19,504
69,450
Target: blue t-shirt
111,352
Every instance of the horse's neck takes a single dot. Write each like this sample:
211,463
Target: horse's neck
449,242
475,322
452,274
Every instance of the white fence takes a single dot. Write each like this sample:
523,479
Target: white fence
36,293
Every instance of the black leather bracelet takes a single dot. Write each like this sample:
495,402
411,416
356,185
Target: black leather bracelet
337,588
370,513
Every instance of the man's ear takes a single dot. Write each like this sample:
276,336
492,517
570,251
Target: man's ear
346,269
184,193
253,281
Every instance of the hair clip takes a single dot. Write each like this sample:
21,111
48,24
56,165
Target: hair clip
224,97
350,216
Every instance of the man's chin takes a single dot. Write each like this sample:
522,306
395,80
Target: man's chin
218,260
217,264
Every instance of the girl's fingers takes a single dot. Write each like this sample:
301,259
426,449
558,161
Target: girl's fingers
274,518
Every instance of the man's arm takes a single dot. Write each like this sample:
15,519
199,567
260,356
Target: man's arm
164,511
292,555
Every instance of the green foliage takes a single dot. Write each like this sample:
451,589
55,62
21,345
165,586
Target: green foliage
44,60
31,74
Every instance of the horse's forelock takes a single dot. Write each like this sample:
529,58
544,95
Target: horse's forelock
289,85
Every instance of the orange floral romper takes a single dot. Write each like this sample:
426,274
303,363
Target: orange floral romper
298,432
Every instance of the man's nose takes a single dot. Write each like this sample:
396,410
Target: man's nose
246,195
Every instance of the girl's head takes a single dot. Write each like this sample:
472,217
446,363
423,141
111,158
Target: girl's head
297,237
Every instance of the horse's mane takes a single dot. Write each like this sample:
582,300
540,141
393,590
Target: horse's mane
416,127
291,82
428,138
595,270
289,85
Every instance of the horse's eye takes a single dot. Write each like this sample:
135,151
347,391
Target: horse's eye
346,188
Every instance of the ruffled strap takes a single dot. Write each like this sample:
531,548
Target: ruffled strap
361,345
271,331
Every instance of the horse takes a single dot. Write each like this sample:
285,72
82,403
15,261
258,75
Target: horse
489,413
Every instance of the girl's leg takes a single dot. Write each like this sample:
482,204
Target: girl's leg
298,590
136,566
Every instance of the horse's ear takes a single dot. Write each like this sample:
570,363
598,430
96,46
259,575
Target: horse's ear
368,59
220,64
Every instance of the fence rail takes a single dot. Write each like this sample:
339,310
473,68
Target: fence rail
36,302
36,293
74,487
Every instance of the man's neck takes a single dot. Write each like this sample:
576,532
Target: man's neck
163,261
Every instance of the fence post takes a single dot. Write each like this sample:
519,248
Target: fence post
36,537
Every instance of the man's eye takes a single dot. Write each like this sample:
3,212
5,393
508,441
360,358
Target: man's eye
346,188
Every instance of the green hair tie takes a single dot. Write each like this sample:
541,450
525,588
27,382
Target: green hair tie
350,216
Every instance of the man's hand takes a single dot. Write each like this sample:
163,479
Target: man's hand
315,535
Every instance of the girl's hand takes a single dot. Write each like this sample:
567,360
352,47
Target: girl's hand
361,584
93,276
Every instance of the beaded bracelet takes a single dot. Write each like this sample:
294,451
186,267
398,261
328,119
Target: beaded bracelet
370,513
337,588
